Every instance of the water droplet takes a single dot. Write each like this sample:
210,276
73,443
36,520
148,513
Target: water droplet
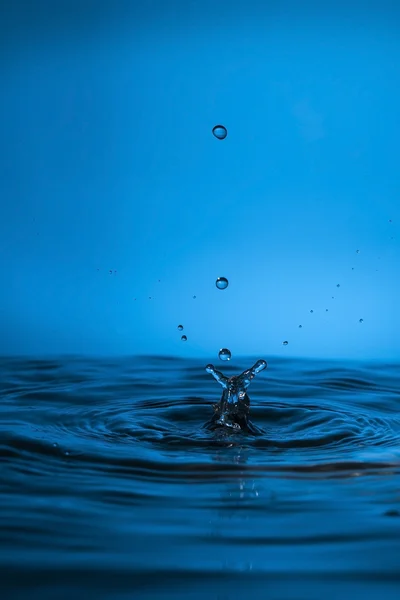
260,365
180,327
357,252
194,297
220,132
55,444
361,321
352,268
338,285
110,272
184,338
333,297
300,326
326,310
66,453
222,283
390,220
225,354
285,343
311,310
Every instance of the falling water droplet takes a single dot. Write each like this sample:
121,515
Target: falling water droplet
311,310
300,326
352,268
326,310
225,354
333,297
338,285
361,321
222,283
357,252
184,338
285,343
220,132
194,297
180,327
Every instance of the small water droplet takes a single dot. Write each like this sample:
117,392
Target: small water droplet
220,132
311,310
357,252
55,444
333,297
194,297
352,268
66,453
225,354
390,220
222,283
260,365
300,326
338,285
110,272
184,338
361,321
285,343
180,327
326,310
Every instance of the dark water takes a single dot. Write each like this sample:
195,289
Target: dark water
110,487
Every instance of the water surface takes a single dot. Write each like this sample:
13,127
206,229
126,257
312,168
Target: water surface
110,486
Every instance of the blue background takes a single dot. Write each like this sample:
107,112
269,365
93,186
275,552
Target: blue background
108,163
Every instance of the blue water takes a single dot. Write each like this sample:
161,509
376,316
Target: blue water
111,486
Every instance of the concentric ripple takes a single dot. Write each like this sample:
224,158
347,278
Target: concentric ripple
116,413
107,467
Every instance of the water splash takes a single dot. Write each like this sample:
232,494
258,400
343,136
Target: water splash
233,409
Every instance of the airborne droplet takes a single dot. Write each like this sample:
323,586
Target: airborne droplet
285,343
220,132
300,326
184,338
180,327
222,283
361,321
311,310
225,354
